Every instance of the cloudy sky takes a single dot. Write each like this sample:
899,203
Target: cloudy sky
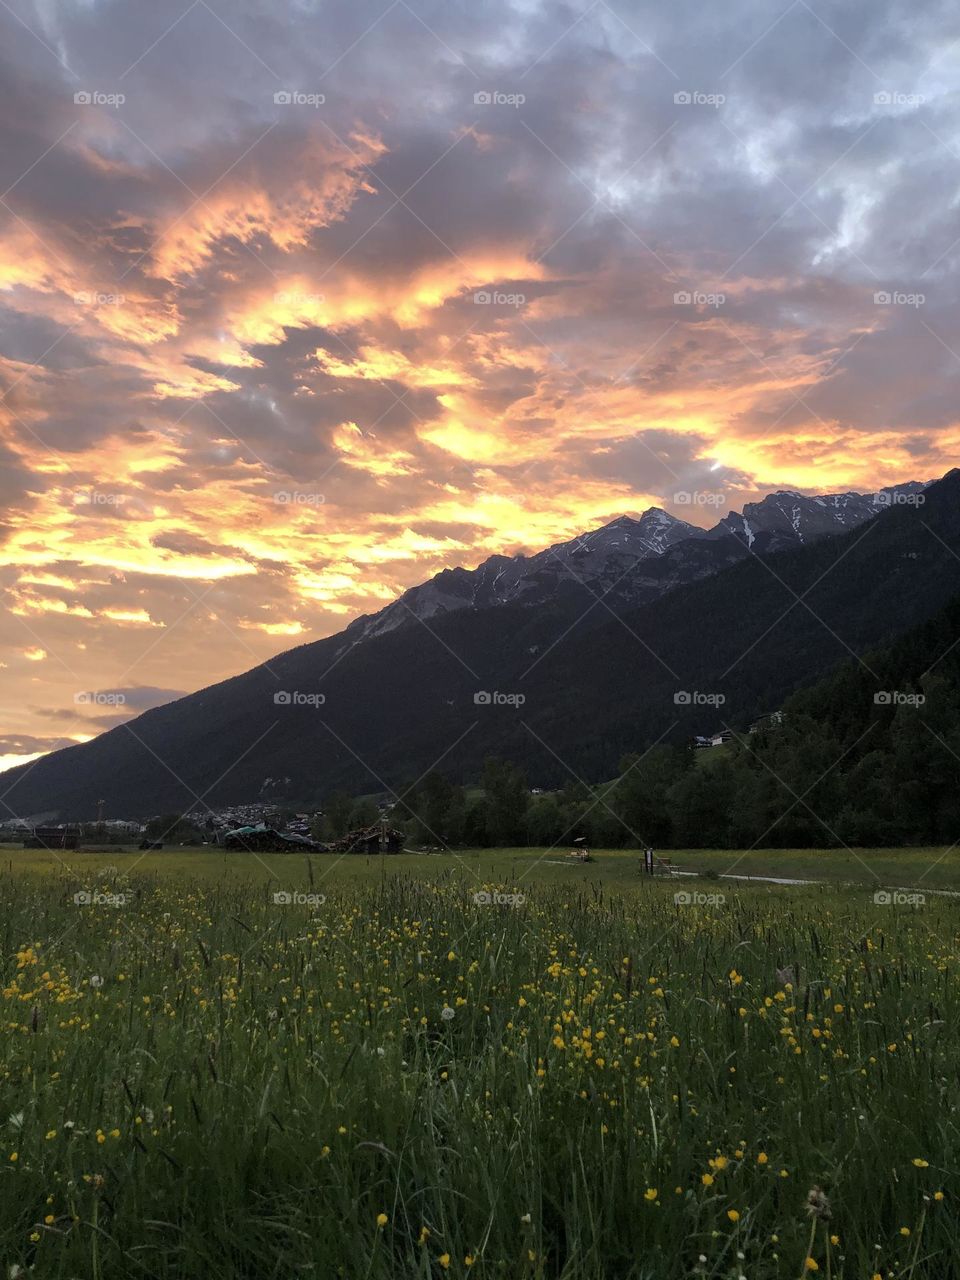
302,302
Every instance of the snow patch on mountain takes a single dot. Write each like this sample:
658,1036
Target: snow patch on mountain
609,562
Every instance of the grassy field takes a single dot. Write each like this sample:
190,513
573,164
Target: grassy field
228,1067
931,869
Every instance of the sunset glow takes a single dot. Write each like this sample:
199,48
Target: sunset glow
267,361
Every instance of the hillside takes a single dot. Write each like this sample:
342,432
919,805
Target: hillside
595,683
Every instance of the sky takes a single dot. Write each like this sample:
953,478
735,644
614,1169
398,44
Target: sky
302,302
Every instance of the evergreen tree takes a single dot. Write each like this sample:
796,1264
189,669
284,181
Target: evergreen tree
506,801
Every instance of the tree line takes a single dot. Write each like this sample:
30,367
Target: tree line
869,755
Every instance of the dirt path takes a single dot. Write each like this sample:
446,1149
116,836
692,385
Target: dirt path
729,875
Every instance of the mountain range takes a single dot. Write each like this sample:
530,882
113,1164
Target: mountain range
606,560
644,629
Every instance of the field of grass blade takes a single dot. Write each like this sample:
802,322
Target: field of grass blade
401,1080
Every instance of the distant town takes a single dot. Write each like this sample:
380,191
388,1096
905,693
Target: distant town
223,827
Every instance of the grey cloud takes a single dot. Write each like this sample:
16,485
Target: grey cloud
798,197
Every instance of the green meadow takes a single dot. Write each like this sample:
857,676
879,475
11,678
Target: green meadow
495,1064
932,869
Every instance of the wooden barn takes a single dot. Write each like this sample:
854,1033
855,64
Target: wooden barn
376,839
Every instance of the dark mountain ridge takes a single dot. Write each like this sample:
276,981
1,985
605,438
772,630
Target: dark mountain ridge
607,560
565,688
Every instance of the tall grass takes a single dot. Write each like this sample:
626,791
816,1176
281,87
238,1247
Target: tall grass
202,1082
